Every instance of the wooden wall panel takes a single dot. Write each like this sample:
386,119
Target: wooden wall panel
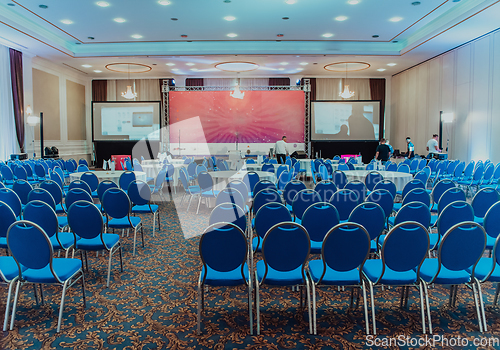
46,100
75,106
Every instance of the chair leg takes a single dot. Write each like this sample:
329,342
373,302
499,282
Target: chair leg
198,209
314,310
373,308
154,223
365,306
83,290
135,239
308,290
62,305
257,302
250,308
189,203
199,305
495,301
481,304
426,295
7,306
15,305
422,306
110,253
476,303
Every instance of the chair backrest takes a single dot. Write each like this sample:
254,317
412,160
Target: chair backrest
279,242
191,169
169,172
369,166
268,215
422,163
386,185
383,198
268,168
262,184
230,195
70,167
449,196
318,219
405,247
415,183
7,173
284,178
223,248
116,203
20,173
80,184
454,213
128,165
228,212
139,192
76,194
323,172
250,179
440,188
40,194
462,246
459,169
85,220
478,172
345,247
414,211
372,178
469,169
59,172
418,195
250,161
7,218
205,181
371,216
422,176
281,168
56,178
302,200
43,215
200,168
325,189
82,168
483,200
183,176
103,187
488,174
358,187
22,189
403,168
291,189
10,198
392,167
339,179
414,165
491,222
241,187
343,167
90,179
83,161
125,179
344,201
265,196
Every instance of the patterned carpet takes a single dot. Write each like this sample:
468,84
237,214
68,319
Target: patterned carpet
152,305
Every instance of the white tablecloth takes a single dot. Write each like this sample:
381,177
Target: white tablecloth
221,178
152,170
109,175
400,179
158,162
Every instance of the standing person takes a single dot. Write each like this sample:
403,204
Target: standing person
383,152
390,147
410,153
432,146
280,150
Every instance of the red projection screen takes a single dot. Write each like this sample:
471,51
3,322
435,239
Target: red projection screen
253,117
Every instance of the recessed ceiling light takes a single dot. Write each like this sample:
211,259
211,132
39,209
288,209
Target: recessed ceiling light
86,65
184,36
285,18
327,35
395,19
303,63
189,64
170,64
11,4
136,36
230,18
174,19
353,2
43,6
174,70
66,21
381,69
90,38
232,35
194,69
375,36
284,63
300,69
97,71
340,18
391,64
281,68
102,3
415,3
290,2
164,2
119,20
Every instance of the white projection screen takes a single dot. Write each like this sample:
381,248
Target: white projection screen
125,121
345,120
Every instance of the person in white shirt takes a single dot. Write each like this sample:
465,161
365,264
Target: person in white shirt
432,146
280,150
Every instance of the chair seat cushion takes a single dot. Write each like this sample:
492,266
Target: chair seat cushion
483,268
490,242
66,238
63,221
64,268
373,269
430,267
3,242
434,220
144,208
333,277
434,208
397,206
433,240
110,240
8,267
59,209
479,220
210,193
279,278
316,247
123,222
230,278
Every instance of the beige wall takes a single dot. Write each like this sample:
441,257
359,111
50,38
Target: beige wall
46,100
75,106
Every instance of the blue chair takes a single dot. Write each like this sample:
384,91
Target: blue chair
230,195
85,220
392,167
302,200
284,178
21,174
344,252
125,179
92,180
82,168
169,176
281,168
453,214
157,186
268,168
403,168
386,185
70,167
7,174
358,187
414,183
273,161
279,266
32,250
449,196
250,179
344,201
268,215
339,179
382,198
57,179
206,184
7,218
81,185
372,178
491,225
290,190
228,212
9,274
10,198
103,187
139,194
482,201
117,205
372,217
83,161
22,189
318,219
243,189
223,252
45,196
343,167
264,196
263,184
191,190
459,251
422,176
250,161
403,252
199,168
438,190
325,189
475,180
412,211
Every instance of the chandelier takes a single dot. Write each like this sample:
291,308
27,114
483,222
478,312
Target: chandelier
129,94
346,93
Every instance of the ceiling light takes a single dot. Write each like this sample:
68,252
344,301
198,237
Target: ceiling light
11,4
86,65
189,64
346,93
415,3
285,18
90,38
119,20
303,63
67,21
327,35
391,64
102,3
170,64
230,18
281,68
340,18
136,36
174,19
232,35
395,19
164,2
97,71
353,2
375,36
284,63
174,70
129,94
300,69
290,2
43,6
381,69
194,69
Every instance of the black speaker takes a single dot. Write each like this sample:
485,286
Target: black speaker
48,151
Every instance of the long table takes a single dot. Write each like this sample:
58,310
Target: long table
399,179
109,175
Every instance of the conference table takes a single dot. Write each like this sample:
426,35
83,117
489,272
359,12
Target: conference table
109,175
222,178
159,162
399,179
152,170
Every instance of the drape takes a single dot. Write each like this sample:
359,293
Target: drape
377,90
219,82
194,82
361,87
251,82
111,90
328,89
279,81
16,77
8,139
147,90
99,90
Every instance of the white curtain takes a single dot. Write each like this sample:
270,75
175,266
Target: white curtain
111,90
250,82
148,89
219,82
8,139
361,87
329,88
